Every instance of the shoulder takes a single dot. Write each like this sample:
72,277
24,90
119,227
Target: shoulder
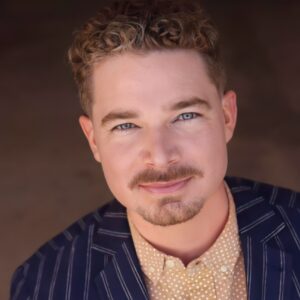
271,194
56,252
263,209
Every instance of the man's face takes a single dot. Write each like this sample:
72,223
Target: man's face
159,127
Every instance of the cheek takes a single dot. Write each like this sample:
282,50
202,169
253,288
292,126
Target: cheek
216,152
117,161
116,150
116,177
208,146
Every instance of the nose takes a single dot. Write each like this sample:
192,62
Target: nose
160,149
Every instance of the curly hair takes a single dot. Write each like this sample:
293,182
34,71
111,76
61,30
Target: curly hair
141,26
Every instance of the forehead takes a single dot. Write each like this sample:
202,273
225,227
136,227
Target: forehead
150,79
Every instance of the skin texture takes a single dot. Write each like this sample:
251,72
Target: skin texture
160,129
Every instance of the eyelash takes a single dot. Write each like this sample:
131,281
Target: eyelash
119,127
193,114
179,118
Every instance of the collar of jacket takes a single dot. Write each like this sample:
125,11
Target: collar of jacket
264,230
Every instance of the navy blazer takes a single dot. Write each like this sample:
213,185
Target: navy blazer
95,257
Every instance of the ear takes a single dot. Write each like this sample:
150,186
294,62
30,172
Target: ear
88,129
230,113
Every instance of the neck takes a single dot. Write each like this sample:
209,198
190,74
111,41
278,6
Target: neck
182,240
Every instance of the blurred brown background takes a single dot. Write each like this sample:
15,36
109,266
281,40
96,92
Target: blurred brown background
48,177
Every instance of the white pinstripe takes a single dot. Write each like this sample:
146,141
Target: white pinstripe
81,224
273,233
135,272
105,260
70,270
249,204
239,189
106,285
296,283
21,282
255,186
88,262
97,217
121,279
39,276
274,195
257,222
53,245
249,265
292,199
55,272
117,215
103,250
68,235
264,272
282,264
117,234
290,226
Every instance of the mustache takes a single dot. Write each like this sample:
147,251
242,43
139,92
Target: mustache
173,173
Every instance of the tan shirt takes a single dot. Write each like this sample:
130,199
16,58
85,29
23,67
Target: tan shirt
219,273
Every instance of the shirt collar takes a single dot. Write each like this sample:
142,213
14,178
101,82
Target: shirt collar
216,258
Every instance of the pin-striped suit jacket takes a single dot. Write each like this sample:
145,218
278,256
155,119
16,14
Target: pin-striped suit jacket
95,257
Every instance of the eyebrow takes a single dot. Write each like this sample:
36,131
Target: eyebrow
129,114
195,101
115,115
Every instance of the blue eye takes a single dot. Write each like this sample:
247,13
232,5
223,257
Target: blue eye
124,126
187,116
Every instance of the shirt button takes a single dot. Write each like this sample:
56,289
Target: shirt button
224,269
170,264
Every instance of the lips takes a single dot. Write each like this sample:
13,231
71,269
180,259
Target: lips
165,187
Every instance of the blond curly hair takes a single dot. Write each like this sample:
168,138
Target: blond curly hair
141,26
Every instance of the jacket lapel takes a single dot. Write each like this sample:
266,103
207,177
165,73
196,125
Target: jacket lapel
121,277
268,265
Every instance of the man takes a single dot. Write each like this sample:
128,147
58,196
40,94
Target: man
158,119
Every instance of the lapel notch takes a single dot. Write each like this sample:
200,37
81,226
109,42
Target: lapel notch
122,277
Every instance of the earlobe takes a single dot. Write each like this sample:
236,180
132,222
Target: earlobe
88,130
230,113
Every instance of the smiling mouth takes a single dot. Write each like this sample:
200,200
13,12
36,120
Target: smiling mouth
165,187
